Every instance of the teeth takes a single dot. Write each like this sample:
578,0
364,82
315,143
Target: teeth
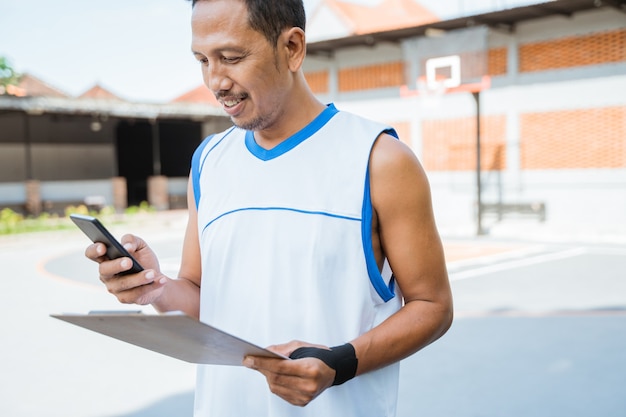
231,103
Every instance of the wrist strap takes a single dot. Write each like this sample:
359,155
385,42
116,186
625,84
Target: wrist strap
340,358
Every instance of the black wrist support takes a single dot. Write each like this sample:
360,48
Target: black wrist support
340,358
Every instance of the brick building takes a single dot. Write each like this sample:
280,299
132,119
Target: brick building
552,122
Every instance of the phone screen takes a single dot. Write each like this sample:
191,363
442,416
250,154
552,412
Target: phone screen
98,233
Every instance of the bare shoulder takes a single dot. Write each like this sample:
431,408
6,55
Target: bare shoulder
396,173
405,224
389,145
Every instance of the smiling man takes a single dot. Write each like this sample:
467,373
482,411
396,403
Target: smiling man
310,231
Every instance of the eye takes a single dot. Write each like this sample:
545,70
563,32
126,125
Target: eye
203,60
231,59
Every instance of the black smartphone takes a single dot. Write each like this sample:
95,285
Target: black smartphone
98,233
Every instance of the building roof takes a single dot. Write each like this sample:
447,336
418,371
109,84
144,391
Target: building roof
84,106
99,93
40,98
334,19
387,15
505,20
200,94
36,97
31,86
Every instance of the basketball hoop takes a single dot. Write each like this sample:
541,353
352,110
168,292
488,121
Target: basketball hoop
443,76
444,70
431,92
442,73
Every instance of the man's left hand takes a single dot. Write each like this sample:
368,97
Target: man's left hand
296,381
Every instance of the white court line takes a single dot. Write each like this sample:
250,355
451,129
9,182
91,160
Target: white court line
503,266
607,251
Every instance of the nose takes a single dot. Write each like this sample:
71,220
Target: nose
216,78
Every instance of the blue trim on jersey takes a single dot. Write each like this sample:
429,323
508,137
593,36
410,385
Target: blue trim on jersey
386,292
391,131
196,165
293,141
195,169
319,213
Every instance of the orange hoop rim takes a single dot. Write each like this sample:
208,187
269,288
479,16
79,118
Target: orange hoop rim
483,84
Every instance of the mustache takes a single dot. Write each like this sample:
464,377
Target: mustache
230,95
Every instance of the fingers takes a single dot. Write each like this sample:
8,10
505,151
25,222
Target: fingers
133,243
296,381
286,349
142,288
134,288
96,252
107,267
117,284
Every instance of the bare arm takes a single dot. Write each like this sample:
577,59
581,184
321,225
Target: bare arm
407,236
164,293
184,293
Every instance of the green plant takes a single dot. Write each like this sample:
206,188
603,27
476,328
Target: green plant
8,76
144,207
9,221
80,209
12,222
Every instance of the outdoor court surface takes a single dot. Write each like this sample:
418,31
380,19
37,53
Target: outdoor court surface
540,330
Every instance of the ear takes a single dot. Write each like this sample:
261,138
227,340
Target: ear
294,43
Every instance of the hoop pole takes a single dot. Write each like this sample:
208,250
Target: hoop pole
479,203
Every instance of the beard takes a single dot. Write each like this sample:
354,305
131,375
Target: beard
257,123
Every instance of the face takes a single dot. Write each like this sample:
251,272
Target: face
248,76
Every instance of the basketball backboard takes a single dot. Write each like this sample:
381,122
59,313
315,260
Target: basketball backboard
449,63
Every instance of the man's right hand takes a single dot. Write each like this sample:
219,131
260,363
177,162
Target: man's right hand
141,288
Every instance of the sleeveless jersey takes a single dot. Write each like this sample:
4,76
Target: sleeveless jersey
285,238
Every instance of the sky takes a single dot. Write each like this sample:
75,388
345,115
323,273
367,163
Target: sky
137,49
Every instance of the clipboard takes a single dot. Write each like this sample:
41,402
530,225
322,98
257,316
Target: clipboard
173,334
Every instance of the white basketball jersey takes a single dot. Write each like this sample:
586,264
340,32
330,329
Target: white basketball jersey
285,237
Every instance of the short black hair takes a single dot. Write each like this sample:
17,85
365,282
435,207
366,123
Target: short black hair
271,17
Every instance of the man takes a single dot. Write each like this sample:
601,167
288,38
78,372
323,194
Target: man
297,216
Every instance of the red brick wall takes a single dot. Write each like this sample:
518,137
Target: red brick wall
497,62
369,77
450,144
403,129
567,139
574,51
318,81
568,52
574,139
